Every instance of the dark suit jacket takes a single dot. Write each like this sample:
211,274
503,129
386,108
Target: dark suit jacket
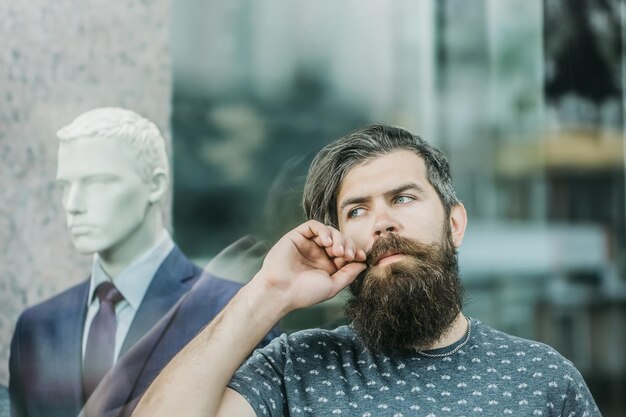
121,389
45,362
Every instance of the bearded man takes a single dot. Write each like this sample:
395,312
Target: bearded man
384,219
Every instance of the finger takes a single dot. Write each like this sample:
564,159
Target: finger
337,249
336,244
325,240
315,256
314,229
351,251
360,256
348,256
331,240
348,273
339,262
339,243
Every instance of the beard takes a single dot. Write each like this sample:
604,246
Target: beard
410,303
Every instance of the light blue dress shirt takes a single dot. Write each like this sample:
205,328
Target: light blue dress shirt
132,283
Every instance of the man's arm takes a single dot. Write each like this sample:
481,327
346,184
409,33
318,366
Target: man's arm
310,264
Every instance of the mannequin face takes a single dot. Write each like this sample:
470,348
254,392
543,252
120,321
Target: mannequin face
104,197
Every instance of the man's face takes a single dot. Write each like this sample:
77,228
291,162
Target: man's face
410,293
390,194
104,197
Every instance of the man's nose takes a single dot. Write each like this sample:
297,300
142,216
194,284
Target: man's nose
385,224
73,200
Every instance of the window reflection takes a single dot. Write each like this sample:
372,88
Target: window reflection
525,97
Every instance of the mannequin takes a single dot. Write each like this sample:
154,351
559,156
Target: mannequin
113,174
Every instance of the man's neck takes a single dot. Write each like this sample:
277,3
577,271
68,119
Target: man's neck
456,331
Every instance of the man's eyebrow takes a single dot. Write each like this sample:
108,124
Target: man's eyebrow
406,187
105,175
353,200
397,190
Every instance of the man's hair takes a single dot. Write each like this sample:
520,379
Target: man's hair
141,134
335,160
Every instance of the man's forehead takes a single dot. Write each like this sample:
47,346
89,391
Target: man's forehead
93,144
94,155
384,171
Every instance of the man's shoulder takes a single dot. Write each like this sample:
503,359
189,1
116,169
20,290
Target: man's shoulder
46,317
70,298
508,347
534,364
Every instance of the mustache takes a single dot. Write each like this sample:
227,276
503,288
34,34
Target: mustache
394,245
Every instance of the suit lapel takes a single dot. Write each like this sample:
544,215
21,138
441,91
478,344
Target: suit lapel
170,282
70,333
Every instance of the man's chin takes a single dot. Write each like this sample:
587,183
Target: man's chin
408,303
85,251
86,246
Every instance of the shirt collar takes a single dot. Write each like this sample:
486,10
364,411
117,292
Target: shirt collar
134,280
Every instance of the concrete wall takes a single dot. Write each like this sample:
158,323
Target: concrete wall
58,59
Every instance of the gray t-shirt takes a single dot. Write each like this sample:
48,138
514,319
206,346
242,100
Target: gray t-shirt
327,373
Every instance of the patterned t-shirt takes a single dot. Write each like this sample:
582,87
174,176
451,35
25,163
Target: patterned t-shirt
328,373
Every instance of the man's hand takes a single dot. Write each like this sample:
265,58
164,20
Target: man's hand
310,264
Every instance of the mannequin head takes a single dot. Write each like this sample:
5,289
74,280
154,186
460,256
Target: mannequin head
113,172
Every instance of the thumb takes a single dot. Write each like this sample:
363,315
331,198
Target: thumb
344,276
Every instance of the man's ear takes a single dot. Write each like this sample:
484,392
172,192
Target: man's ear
158,185
458,223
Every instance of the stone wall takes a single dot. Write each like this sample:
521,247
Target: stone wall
58,59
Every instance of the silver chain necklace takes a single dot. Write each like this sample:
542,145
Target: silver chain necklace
466,339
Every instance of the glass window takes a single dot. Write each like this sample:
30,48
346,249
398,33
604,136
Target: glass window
525,97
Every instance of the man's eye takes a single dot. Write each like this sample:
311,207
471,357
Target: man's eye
101,180
355,212
403,199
